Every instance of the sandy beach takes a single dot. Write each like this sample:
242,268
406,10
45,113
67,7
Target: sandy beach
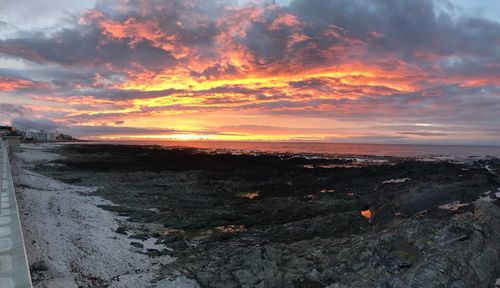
71,242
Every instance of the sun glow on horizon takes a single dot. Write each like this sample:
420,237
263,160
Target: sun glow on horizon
204,137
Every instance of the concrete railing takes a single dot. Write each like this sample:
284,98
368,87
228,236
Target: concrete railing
14,271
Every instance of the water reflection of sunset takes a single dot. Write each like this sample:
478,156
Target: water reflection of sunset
367,214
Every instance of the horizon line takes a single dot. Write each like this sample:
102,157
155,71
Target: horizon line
286,141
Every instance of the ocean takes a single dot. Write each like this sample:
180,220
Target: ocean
333,149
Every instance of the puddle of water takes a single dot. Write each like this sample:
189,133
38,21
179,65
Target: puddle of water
171,231
395,181
249,195
366,214
422,213
453,206
310,197
330,166
487,167
231,228
327,191
200,234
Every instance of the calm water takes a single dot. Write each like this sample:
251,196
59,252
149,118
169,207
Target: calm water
334,148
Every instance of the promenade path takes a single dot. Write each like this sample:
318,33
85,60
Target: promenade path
14,271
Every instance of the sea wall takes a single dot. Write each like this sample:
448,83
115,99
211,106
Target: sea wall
14,271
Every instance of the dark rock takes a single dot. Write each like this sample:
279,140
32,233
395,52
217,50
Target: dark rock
137,244
121,230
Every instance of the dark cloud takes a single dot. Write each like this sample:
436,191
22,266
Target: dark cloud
117,94
11,73
35,123
412,30
371,138
416,31
409,29
423,133
104,130
13,110
6,28
85,47
90,131
13,80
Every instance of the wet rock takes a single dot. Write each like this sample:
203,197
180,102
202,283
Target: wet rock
137,244
245,277
121,230
470,263
38,271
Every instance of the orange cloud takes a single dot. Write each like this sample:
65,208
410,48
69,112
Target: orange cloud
12,84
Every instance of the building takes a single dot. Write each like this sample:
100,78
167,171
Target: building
5,130
52,136
64,137
36,135
33,135
13,139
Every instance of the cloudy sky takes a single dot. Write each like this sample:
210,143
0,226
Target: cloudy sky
386,71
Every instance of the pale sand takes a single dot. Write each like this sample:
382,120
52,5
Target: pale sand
75,239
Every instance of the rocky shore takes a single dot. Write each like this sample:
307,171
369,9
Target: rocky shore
70,241
223,220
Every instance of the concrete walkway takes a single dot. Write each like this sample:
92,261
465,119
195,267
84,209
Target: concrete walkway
14,271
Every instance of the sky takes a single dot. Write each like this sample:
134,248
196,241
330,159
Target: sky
376,71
